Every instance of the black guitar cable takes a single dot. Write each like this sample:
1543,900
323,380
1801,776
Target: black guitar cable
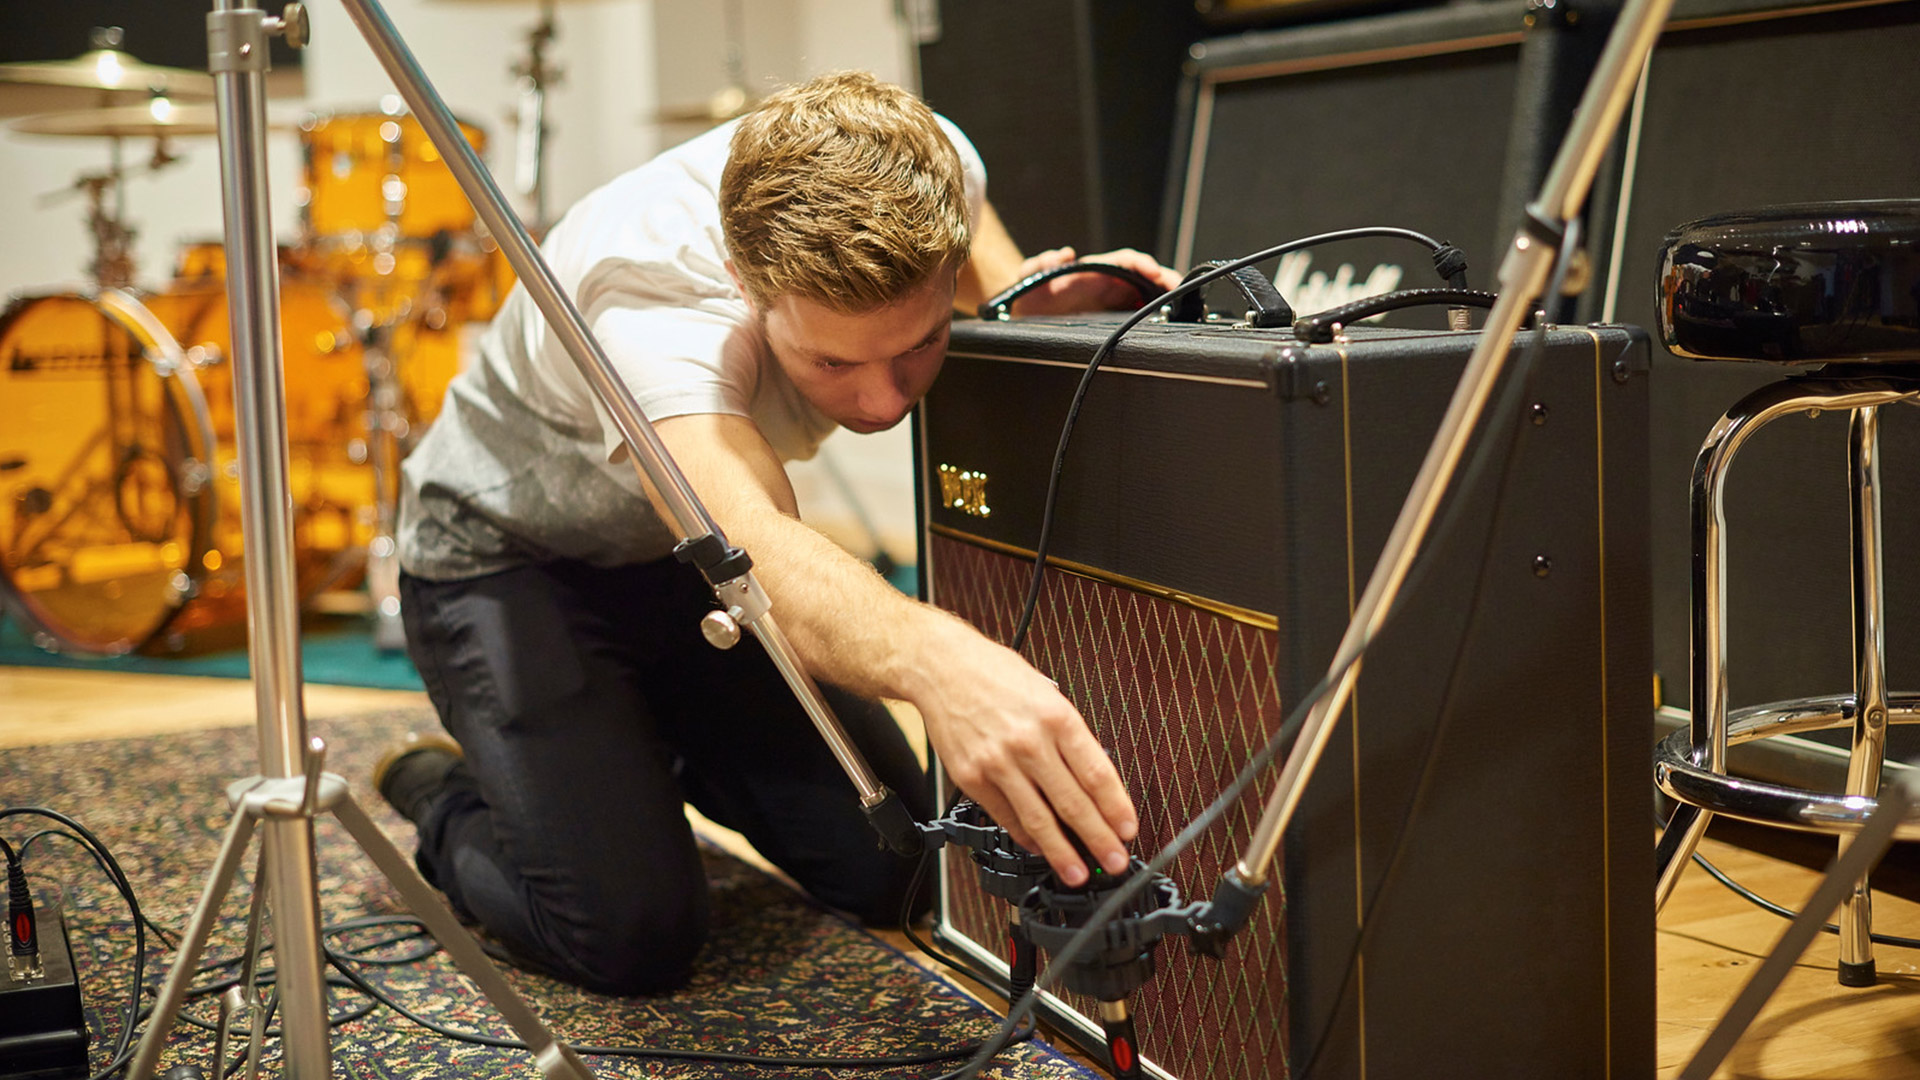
1785,912
1447,262
1506,410
346,960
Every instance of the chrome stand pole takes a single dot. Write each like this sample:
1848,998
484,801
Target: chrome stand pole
291,787
1522,275
727,569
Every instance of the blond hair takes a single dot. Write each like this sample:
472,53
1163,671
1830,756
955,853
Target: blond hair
843,190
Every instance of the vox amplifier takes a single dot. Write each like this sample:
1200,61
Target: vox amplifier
1226,495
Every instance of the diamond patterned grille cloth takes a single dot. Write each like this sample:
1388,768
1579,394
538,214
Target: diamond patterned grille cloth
1181,698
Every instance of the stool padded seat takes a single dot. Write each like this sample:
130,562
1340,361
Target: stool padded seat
1807,284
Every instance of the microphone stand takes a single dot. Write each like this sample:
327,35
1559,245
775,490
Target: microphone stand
728,569
1133,917
293,786
1523,274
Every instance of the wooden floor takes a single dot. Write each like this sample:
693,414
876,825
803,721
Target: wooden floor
1709,940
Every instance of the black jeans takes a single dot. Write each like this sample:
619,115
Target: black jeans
590,708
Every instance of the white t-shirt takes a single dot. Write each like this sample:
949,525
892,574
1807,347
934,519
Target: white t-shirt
524,464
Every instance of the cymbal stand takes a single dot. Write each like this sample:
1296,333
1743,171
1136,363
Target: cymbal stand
386,424
112,265
292,786
535,74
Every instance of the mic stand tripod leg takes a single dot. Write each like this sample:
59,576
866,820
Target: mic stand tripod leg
556,1059
174,991
295,801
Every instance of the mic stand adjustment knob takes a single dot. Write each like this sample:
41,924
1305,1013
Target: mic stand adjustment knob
720,629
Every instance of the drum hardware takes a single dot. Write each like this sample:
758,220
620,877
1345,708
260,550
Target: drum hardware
533,76
405,267
109,518
112,266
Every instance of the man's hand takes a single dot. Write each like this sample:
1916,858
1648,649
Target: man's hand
1089,292
1009,739
1003,731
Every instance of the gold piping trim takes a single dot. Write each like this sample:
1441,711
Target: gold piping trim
1093,573
1606,834
1775,13
1353,712
1363,57
1218,380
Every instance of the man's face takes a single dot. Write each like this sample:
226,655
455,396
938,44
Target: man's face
864,371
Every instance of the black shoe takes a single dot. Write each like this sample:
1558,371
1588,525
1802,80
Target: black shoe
412,772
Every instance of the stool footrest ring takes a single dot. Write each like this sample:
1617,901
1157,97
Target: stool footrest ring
1682,778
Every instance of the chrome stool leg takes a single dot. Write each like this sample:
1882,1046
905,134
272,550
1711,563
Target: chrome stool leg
1707,730
1869,679
1708,650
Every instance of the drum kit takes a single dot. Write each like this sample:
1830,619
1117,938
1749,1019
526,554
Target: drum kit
119,487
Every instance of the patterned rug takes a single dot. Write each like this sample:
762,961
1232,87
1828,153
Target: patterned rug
780,975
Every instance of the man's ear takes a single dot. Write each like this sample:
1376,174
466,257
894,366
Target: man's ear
741,289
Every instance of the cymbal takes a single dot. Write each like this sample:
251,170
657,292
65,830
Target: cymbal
135,121
94,79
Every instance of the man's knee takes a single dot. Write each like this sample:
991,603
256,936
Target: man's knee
635,952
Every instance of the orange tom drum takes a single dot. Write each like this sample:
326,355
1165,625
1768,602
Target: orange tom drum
374,175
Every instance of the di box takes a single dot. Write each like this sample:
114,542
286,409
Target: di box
1482,808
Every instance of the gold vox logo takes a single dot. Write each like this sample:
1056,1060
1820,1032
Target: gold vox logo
964,491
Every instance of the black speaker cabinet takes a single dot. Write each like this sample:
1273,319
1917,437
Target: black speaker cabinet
1440,120
1225,498
1744,106
1070,102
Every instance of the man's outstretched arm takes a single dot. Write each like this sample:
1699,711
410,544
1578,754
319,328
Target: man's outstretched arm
1003,731
994,262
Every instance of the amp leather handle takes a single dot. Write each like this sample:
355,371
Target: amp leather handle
1265,306
1000,307
1318,328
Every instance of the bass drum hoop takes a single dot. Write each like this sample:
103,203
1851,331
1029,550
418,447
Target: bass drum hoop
169,361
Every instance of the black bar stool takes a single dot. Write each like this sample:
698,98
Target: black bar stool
1834,289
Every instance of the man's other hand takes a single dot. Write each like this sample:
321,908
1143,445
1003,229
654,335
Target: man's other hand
1089,292
1008,738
